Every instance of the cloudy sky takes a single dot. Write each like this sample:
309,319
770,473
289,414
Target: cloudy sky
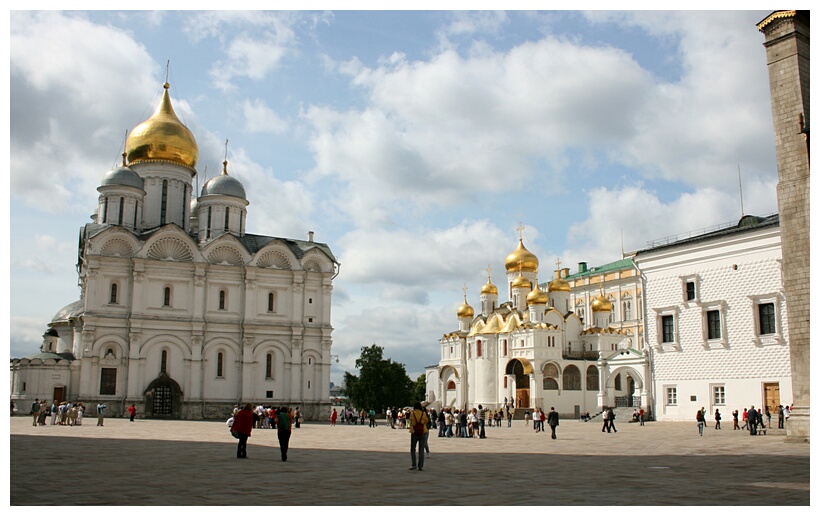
414,143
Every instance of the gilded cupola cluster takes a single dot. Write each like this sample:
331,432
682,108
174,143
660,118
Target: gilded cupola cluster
521,259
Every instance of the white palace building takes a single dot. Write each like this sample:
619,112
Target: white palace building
684,324
182,312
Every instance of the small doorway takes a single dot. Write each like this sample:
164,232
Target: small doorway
59,392
771,395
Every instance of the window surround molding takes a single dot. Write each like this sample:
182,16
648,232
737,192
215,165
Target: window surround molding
721,342
674,311
667,389
713,391
690,278
770,339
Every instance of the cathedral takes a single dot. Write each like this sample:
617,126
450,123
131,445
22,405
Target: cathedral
532,349
181,311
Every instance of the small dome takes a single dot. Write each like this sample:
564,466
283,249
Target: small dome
521,259
558,284
601,304
489,289
521,282
224,184
69,311
122,176
162,138
465,310
537,296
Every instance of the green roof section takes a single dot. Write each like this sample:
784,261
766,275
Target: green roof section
625,263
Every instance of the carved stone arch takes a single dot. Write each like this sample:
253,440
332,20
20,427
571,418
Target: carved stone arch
571,378
225,255
118,247
310,353
170,249
312,265
552,376
274,259
115,343
221,341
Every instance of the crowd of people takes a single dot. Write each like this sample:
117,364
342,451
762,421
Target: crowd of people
244,420
58,413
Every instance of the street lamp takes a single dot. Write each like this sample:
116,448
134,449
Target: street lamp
336,357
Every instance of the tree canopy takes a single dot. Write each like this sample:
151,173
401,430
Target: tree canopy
381,382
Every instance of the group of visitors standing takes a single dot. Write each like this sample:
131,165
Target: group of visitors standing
467,423
58,413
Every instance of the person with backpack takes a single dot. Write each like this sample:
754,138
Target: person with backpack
418,435
700,417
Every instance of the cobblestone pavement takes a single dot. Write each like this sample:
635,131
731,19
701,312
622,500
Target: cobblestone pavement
152,462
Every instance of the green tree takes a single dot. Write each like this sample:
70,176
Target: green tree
381,382
420,388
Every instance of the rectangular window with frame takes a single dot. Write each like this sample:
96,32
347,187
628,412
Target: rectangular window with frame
108,381
668,328
690,291
713,324
671,395
719,395
765,313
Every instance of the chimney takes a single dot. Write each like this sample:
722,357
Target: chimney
565,272
582,267
310,236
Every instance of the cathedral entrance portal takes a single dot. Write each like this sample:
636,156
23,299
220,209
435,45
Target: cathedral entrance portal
163,398
521,369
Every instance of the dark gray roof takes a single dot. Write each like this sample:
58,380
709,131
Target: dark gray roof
746,223
50,356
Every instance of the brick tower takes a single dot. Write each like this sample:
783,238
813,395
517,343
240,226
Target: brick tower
787,54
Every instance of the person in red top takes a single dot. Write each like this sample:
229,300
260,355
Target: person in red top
242,425
333,417
132,412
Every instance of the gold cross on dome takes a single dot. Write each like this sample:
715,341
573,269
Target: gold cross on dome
520,230
489,272
465,291
558,264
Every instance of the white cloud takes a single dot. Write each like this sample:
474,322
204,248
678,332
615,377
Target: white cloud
69,115
259,118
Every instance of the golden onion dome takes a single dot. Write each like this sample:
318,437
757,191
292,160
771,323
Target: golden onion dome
162,138
601,304
488,287
558,284
465,310
521,259
521,282
537,296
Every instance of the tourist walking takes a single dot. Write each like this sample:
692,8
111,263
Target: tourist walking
132,412
745,420
35,411
605,417
700,417
552,420
751,418
418,435
482,416
243,425
284,420
450,419
641,415
611,419
717,419
333,416
734,420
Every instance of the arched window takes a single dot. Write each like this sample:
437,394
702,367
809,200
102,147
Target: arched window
618,383
208,226
572,378
227,218
505,348
592,378
271,302
164,206
122,206
113,298
105,211
550,377
163,361
478,349
269,366
627,310
166,299
219,364
222,297
451,385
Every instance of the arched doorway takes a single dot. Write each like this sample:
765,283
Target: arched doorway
521,369
163,398
625,383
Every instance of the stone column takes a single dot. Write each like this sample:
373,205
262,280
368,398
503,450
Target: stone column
787,54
